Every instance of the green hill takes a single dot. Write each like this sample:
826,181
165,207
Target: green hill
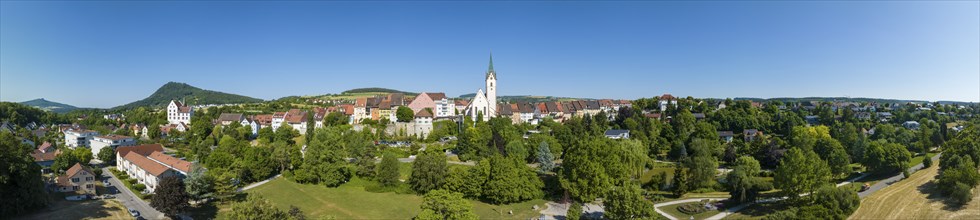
49,105
192,95
376,90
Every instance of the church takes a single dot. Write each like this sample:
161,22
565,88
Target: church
485,102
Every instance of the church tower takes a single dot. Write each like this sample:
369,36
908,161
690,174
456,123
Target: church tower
491,89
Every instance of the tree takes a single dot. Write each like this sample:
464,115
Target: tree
107,155
574,211
442,204
428,171
591,167
680,181
839,202
404,114
627,202
801,171
199,184
66,159
256,208
388,170
510,181
20,179
546,160
170,197
295,213
742,182
885,157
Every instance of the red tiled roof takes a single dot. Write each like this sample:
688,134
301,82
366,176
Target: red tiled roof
151,167
44,147
666,97
295,116
42,156
436,95
145,149
171,161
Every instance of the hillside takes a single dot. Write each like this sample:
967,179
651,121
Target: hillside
525,98
377,90
192,95
49,105
848,99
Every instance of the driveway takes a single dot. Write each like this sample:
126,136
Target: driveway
130,200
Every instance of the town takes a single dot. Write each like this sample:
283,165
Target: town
436,110
393,154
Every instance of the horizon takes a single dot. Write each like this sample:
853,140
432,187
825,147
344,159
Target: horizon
106,54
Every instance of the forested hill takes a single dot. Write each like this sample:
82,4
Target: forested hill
848,99
192,95
49,105
376,90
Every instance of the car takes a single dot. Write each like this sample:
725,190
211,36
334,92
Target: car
134,212
108,196
865,187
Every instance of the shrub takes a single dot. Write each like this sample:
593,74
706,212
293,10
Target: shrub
692,208
139,187
927,162
131,181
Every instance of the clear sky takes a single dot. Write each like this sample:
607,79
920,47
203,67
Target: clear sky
108,53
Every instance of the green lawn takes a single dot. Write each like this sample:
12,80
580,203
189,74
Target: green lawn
672,210
351,201
917,160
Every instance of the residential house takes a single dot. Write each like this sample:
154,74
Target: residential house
726,136
77,179
318,115
253,124
294,118
422,125
360,110
178,113
527,112
911,125
79,137
44,155
226,119
509,111
751,135
441,106
461,106
618,134
113,141
667,99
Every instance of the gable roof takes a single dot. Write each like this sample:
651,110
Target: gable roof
296,116
232,117
424,113
145,149
45,156
616,132
75,169
173,162
45,146
151,167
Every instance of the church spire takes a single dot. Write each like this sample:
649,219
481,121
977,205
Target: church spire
490,71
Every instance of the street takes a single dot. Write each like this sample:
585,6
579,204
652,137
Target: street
130,200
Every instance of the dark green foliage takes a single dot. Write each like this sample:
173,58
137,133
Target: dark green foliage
742,181
692,208
256,208
428,171
21,115
170,197
107,155
840,202
510,181
884,157
628,203
295,213
69,157
199,185
545,159
591,168
404,114
387,173
959,166
324,161
442,204
960,194
680,181
801,171
20,179
375,89
927,162
574,211
192,95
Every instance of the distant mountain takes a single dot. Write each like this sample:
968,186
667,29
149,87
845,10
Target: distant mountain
377,90
192,95
49,105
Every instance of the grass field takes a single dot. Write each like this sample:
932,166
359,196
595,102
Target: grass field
917,160
88,209
914,198
672,210
351,201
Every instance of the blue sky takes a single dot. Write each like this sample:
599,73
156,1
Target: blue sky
108,53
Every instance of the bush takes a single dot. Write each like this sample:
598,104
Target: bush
927,162
131,181
961,194
139,187
692,208
400,188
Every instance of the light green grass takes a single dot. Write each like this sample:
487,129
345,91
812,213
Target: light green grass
350,201
917,160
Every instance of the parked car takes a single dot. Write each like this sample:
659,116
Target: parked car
134,212
865,187
108,196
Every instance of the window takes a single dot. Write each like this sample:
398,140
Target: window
74,180
74,188
89,178
88,186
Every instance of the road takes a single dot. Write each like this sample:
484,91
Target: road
891,180
129,199
253,185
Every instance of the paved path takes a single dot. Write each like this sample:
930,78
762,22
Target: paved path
887,182
130,200
253,185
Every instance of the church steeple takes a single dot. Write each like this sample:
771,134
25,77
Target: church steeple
490,71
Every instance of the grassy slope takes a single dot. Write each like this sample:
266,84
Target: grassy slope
350,201
910,199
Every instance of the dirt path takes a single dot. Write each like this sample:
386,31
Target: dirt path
909,199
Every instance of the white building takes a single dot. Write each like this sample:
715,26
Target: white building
485,103
179,113
294,117
112,141
148,165
422,125
79,137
